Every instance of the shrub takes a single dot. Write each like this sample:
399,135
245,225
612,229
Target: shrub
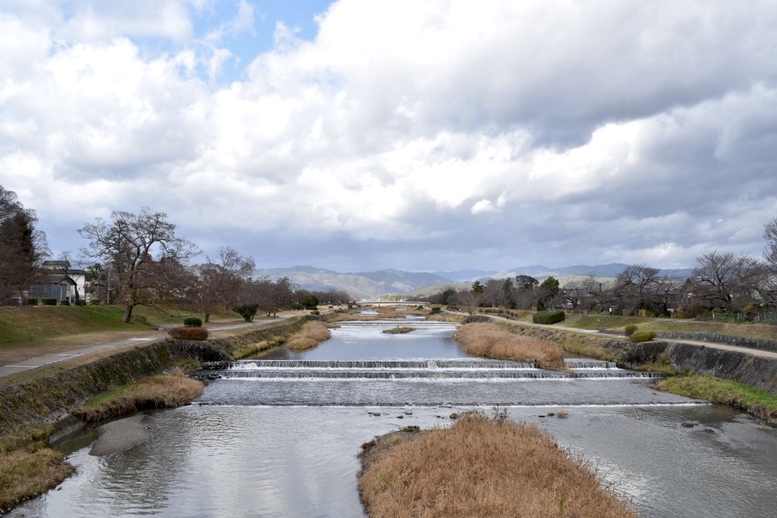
630,329
64,303
247,311
49,302
548,317
188,333
32,301
642,336
192,322
435,310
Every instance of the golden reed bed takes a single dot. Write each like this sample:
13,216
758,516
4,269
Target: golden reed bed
480,467
493,341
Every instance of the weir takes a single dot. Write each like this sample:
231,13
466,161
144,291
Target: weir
443,368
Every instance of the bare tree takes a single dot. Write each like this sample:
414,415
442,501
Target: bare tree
727,280
635,288
219,283
524,294
142,249
768,285
494,293
469,300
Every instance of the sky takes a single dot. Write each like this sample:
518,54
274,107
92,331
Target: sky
421,135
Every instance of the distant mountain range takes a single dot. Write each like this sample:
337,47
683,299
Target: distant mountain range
370,285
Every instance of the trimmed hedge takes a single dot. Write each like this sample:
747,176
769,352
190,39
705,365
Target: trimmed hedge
548,317
642,336
630,329
192,322
188,333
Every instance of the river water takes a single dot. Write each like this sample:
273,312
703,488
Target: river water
278,436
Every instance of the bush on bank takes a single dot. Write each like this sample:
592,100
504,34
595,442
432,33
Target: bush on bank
188,333
548,317
642,336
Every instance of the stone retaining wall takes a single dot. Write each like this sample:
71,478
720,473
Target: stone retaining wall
737,366
50,399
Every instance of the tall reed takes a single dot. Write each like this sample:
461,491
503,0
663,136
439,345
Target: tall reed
312,334
493,341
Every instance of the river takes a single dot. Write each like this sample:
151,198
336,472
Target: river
278,436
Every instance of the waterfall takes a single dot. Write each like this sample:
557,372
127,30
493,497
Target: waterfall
463,368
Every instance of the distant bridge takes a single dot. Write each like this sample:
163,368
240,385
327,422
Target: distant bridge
391,303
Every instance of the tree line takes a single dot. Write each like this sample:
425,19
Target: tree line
719,282
138,259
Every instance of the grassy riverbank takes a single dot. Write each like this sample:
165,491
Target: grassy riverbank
753,401
494,341
480,467
162,391
29,467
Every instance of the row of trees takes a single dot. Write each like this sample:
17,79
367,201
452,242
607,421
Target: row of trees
721,281
139,259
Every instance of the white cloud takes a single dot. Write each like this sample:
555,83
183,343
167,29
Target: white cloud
565,132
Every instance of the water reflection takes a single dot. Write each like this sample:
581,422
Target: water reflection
301,461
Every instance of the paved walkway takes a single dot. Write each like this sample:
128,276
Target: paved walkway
39,361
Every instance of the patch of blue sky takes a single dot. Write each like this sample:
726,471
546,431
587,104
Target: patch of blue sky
248,38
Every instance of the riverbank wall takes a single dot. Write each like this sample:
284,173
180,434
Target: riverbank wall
47,400
754,371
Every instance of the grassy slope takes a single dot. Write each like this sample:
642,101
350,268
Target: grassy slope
28,324
20,326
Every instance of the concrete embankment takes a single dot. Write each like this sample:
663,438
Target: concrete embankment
50,399
755,371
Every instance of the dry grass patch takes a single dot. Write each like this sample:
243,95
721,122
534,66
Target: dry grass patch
28,467
481,467
493,341
312,334
28,472
163,391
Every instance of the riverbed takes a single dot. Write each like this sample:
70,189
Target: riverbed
283,442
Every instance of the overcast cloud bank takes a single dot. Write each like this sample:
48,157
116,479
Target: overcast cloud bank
417,135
